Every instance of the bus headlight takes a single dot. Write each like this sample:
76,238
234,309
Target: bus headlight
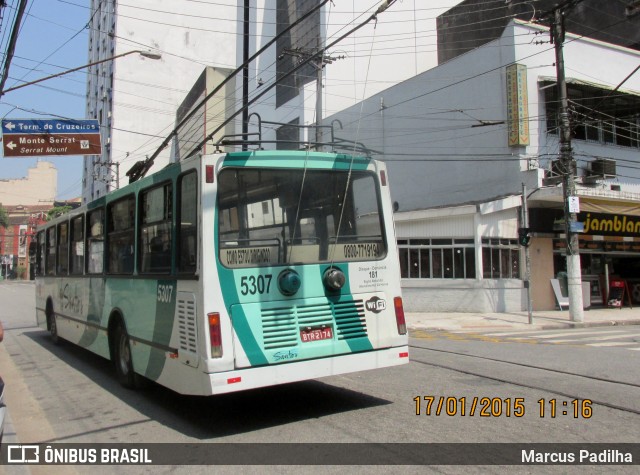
289,282
334,278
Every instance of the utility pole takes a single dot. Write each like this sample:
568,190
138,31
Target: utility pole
108,164
245,74
139,169
318,61
568,167
527,253
319,66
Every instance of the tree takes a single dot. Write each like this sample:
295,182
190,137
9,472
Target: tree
4,217
57,211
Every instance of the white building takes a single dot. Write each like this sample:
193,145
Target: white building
135,98
460,141
39,187
386,51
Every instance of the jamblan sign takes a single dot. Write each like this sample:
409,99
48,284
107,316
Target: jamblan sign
610,224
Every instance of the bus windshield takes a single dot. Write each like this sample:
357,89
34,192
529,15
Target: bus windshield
284,216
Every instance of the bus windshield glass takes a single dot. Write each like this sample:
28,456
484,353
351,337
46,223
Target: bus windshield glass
284,216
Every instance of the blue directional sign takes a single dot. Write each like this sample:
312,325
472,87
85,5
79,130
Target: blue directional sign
38,137
50,126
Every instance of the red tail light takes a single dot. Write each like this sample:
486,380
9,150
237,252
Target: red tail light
215,335
209,173
400,321
383,178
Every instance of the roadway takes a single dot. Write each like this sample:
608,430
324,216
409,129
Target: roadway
63,394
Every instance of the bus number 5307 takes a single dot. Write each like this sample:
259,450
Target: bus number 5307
251,285
164,293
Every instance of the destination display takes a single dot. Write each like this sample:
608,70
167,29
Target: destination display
262,255
248,256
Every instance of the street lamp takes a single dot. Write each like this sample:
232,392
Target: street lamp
146,54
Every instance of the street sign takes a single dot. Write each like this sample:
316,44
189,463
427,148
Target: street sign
576,227
574,204
41,137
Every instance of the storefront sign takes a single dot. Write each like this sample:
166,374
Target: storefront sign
618,290
595,224
517,105
610,224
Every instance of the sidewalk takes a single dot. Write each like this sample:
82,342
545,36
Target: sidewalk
542,320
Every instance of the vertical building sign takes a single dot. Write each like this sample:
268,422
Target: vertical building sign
517,105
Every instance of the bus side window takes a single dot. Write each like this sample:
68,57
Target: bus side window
33,257
187,241
120,235
41,254
51,251
155,244
95,241
77,245
63,248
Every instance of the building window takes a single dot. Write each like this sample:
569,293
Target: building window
615,121
288,136
437,258
500,259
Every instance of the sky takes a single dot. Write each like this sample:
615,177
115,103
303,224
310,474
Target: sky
53,38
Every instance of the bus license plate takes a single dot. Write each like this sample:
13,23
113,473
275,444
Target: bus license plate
316,334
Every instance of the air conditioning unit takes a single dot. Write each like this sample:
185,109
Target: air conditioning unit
603,167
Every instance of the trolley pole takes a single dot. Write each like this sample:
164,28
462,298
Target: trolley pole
568,167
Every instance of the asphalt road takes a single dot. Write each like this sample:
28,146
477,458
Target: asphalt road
64,394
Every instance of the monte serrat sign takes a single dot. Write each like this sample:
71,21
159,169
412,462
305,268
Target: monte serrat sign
42,137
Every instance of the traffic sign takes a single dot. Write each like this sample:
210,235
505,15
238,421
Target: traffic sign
40,137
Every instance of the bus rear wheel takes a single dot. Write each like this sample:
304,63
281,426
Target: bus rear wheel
122,358
53,327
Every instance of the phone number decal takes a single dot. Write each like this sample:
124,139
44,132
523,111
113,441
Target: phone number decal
500,407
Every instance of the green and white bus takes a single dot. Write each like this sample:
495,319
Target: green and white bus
227,272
